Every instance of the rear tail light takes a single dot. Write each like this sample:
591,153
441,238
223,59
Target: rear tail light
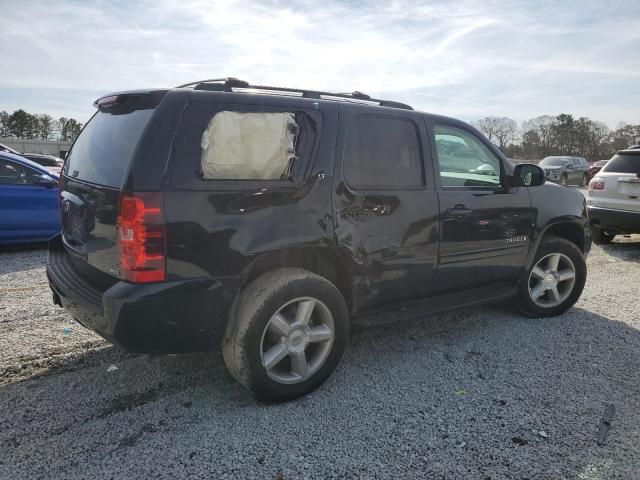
596,184
142,238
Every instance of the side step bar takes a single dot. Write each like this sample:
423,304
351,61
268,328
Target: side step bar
423,308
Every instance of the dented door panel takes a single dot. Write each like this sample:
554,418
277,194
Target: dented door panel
387,237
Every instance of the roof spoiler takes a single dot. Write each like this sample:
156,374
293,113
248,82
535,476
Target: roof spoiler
123,98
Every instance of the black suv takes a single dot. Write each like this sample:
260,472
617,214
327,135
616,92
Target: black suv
269,222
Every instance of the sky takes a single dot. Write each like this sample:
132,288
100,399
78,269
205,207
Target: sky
466,59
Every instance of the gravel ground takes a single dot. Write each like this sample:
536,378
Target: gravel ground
480,393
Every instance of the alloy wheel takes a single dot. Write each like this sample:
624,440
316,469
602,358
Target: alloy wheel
297,340
551,280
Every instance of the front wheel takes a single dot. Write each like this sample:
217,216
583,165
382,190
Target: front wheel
555,280
564,181
602,237
584,180
287,334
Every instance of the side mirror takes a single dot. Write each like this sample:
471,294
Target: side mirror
46,181
528,175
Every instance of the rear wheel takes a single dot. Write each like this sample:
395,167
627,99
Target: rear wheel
287,334
602,237
555,281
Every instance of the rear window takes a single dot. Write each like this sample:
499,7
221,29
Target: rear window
554,162
233,143
103,151
626,163
46,162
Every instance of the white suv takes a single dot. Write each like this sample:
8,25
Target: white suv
614,197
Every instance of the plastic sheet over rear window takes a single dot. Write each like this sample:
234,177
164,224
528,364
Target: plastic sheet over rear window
186,170
249,146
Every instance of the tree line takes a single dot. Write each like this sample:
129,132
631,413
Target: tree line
557,135
21,124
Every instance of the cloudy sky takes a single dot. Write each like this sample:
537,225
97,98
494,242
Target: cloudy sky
466,59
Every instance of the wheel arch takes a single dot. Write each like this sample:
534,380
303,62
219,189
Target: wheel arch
572,230
324,262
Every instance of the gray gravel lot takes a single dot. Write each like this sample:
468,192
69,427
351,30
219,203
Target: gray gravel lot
480,393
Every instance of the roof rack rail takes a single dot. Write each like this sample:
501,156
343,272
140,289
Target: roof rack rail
231,84
226,83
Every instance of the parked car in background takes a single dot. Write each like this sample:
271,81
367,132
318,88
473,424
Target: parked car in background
566,170
595,167
51,163
29,209
269,222
614,197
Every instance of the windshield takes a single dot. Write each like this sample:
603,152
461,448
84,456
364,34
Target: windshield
102,152
626,163
554,162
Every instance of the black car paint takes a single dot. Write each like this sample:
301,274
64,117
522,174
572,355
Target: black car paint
382,248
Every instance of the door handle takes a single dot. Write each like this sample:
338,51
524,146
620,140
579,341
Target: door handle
459,211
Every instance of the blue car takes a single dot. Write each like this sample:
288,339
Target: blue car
29,210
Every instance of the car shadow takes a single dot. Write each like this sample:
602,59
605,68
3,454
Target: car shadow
624,248
482,377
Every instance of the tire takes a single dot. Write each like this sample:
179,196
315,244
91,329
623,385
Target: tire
564,181
568,290
602,237
251,334
584,180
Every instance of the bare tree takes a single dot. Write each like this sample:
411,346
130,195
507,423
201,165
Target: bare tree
501,131
542,126
4,124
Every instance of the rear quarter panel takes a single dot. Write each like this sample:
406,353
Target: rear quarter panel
220,228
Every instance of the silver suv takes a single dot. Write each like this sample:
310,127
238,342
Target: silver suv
566,170
614,197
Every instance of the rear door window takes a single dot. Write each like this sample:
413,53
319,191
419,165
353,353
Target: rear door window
623,163
233,143
104,149
382,152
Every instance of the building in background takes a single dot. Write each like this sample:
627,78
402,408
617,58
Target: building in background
57,148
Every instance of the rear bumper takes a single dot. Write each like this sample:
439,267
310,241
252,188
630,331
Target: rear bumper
168,317
617,220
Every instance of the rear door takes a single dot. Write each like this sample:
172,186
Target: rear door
578,170
28,205
94,176
386,207
485,227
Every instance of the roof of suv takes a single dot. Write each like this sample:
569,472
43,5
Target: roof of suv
234,85
231,84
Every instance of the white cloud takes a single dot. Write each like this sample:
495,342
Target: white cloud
460,58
